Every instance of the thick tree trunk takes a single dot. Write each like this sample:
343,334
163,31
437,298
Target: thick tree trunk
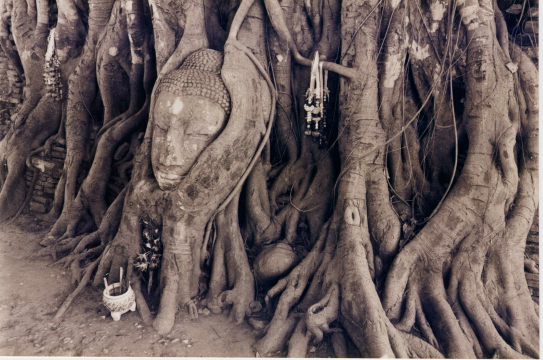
406,231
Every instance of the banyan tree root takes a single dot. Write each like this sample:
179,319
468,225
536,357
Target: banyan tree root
39,115
479,313
201,191
232,282
82,250
309,302
84,247
291,288
16,147
321,314
89,270
140,69
30,33
308,185
315,323
31,187
304,295
263,227
80,94
347,243
305,179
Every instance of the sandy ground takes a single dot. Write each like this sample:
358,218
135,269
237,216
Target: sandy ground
32,291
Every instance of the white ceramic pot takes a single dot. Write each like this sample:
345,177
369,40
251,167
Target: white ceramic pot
119,304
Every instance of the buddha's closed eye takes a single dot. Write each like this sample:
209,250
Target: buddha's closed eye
160,127
203,127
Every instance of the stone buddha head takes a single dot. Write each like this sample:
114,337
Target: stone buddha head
191,109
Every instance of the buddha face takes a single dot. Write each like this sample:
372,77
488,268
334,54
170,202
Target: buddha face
184,125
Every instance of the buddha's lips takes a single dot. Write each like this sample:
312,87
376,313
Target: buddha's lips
168,177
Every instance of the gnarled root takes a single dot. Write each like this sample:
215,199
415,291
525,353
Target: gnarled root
291,288
233,282
299,341
15,148
121,252
315,323
91,195
479,233
82,284
264,227
111,256
320,315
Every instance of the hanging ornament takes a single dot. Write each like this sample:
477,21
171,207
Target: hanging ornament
151,250
318,97
316,102
310,105
51,70
323,140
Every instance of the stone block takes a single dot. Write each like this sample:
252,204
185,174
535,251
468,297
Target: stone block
58,155
50,183
37,207
40,198
46,166
532,248
56,174
61,149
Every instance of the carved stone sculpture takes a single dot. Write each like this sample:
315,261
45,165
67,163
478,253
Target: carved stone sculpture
191,109
207,121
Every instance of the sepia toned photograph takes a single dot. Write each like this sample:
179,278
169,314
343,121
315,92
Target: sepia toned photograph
269,178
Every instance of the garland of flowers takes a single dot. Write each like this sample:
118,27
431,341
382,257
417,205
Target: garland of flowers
151,250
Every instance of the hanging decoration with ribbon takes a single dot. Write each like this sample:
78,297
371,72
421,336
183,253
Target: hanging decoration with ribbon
316,102
51,70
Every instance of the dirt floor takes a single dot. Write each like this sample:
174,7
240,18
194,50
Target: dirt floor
32,291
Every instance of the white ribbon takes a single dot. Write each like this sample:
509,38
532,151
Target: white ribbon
50,45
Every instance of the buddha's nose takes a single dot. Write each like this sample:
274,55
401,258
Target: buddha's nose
172,149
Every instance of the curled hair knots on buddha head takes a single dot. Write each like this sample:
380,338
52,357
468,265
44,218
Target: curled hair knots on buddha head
199,75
